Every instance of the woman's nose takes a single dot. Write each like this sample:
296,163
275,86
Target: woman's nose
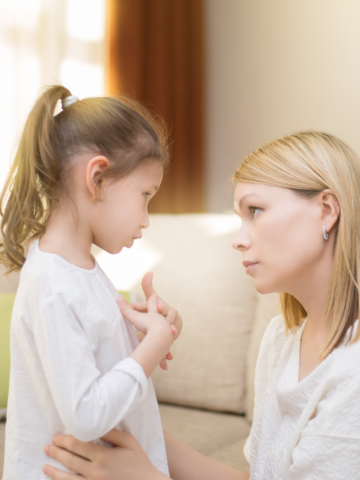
240,242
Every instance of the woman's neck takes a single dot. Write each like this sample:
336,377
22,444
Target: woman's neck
311,291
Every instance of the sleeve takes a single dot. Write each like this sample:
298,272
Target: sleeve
89,404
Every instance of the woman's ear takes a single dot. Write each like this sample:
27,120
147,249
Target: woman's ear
94,168
330,209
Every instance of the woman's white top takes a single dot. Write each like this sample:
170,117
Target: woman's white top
70,367
308,429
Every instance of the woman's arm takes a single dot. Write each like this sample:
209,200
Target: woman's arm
185,463
128,461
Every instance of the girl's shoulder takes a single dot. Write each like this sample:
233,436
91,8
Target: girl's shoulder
44,270
50,283
49,277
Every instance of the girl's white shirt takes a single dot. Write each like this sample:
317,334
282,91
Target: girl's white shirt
308,429
70,367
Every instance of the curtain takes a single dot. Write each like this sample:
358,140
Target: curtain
44,42
155,55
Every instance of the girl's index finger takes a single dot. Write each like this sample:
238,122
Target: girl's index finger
139,306
152,303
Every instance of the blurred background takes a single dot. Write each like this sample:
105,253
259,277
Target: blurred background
226,75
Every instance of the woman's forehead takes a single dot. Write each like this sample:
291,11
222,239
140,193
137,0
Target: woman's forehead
256,191
243,189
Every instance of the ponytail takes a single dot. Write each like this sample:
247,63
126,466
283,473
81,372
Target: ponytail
122,130
29,189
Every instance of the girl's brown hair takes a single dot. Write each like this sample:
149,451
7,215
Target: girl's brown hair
309,163
122,130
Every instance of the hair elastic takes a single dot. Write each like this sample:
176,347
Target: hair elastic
66,102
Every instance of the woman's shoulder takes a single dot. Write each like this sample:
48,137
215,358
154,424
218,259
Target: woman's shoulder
346,361
276,328
337,413
276,343
275,335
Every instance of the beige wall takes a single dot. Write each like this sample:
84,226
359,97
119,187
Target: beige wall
274,68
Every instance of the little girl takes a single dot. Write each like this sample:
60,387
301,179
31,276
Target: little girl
83,176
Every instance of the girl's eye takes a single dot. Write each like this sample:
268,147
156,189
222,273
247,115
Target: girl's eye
146,194
254,211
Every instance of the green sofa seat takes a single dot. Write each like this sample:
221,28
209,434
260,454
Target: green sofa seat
6,306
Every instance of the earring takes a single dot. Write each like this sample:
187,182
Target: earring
94,201
325,234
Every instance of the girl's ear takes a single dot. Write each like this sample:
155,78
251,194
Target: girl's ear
94,168
330,209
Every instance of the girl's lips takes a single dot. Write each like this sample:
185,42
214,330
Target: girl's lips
133,240
251,267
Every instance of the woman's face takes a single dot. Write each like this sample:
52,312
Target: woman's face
280,238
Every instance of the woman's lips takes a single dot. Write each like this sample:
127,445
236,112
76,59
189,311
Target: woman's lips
250,267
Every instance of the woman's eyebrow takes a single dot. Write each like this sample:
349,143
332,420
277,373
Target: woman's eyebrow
246,196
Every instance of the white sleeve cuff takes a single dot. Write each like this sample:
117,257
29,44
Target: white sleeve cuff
133,368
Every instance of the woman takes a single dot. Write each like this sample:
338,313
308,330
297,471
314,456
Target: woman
299,199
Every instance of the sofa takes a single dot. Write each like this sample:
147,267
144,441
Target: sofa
206,396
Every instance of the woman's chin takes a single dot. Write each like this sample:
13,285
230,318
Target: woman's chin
263,288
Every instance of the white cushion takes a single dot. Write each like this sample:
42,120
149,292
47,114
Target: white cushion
200,274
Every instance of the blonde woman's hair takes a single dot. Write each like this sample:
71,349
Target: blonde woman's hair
309,163
120,129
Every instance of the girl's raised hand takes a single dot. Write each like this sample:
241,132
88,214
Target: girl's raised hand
162,307
144,320
158,331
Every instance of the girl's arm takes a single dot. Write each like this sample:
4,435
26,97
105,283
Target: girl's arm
128,461
185,463
90,403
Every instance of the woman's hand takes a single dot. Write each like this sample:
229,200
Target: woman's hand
126,461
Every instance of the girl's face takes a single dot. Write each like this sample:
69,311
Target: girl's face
122,212
280,237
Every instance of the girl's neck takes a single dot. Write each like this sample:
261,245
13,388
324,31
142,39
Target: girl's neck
68,238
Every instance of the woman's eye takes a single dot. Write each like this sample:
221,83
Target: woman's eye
254,211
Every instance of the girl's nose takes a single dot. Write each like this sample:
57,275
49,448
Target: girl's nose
145,221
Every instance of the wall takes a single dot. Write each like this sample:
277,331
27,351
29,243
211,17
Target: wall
275,68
